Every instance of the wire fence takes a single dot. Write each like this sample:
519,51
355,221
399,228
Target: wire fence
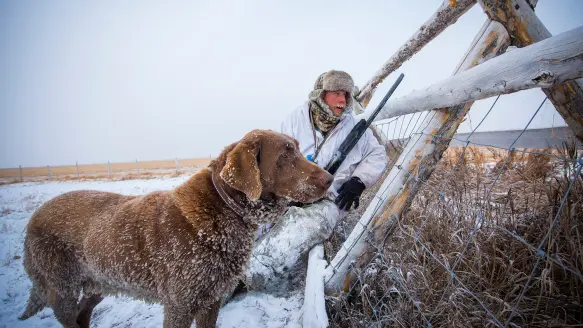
426,273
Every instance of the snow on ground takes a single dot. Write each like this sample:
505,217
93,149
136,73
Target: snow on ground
19,201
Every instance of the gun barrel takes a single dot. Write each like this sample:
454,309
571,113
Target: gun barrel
384,101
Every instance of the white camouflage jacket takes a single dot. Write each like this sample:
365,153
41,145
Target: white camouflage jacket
367,160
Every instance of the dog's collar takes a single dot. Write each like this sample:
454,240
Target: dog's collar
236,207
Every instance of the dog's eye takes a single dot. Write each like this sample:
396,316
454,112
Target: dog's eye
288,152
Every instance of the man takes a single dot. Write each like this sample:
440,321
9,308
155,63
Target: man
320,125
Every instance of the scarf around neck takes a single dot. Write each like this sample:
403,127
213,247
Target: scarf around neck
322,117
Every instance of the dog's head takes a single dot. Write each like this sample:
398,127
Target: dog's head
266,163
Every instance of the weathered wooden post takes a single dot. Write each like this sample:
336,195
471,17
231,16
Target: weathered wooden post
397,191
541,65
109,169
524,27
77,166
418,162
445,16
49,171
20,169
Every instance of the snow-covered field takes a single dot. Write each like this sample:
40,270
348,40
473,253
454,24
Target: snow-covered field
19,201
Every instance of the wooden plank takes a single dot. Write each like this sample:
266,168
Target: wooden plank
543,64
525,28
445,16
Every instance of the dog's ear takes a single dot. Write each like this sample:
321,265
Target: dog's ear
241,170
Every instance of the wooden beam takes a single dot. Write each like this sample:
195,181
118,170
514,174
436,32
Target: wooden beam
525,28
314,308
445,16
543,64
414,166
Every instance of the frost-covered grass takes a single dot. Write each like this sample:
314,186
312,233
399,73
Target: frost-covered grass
406,284
18,202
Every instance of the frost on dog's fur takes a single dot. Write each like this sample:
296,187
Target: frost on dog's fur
183,248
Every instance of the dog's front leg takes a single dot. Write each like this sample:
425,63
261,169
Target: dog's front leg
178,317
208,318
86,306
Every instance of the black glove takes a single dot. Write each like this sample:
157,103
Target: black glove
349,193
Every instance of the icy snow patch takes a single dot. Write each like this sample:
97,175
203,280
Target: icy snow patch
19,201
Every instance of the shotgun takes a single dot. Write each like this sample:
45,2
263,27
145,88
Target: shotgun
357,131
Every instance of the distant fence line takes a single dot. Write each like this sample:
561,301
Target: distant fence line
109,170
393,131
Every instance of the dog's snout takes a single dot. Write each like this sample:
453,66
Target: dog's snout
326,179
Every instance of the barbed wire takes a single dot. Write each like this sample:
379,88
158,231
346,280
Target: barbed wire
409,141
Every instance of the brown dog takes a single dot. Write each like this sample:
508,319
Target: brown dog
184,248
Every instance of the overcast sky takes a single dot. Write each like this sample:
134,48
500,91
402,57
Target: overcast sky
93,81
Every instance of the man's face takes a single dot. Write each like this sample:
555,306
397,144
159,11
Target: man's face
336,101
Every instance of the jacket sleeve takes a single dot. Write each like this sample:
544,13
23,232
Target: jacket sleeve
374,160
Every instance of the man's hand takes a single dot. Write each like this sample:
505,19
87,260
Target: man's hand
350,193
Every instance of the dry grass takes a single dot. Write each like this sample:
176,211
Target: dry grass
406,286
119,171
